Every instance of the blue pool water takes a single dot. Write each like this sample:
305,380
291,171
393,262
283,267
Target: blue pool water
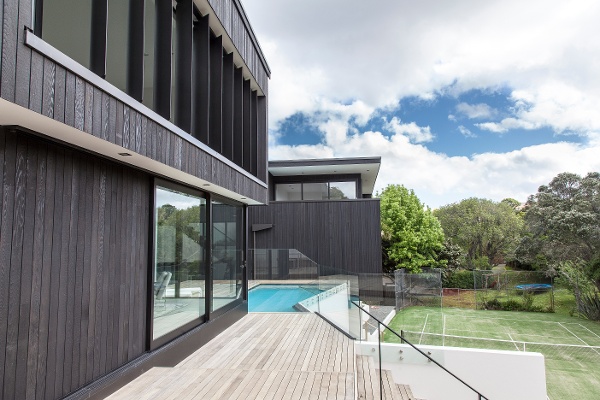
534,287
278,298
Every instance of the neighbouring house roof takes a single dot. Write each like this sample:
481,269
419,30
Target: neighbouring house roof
367,167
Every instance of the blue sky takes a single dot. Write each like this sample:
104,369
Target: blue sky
452,120
460,99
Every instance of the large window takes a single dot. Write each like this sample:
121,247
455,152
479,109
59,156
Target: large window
199,253
179,260
116,47
165,55
67,25
227,253
315,191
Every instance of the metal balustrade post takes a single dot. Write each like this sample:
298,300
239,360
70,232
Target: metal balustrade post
380,372
379,323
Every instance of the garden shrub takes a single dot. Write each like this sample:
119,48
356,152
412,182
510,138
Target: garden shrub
459,280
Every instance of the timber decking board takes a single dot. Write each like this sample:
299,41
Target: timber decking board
269,356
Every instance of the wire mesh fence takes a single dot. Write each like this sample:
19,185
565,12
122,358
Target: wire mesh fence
513,290
423,289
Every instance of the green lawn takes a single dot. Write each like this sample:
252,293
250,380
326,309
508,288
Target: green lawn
572,372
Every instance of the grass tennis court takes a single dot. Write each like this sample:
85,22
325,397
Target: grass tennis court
571,346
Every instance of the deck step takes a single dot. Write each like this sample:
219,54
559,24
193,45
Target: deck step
406,392
367,377
367,381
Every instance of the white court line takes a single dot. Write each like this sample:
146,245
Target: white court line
513,340
510,341
592,332
506,319
423,330
580,339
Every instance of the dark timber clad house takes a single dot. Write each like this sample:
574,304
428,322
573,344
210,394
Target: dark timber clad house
324,209
133,137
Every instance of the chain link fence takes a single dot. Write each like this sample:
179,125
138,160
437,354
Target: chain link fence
423,289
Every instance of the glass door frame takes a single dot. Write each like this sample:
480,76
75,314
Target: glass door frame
244,296
155,343
151,343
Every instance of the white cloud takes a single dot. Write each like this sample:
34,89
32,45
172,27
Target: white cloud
466,132
343,61
439,179
474,111
341,51
417,134
555,105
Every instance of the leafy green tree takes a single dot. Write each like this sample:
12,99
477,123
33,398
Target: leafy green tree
487,231
411,235
563,223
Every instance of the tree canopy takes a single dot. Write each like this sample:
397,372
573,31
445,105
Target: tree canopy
563,221
487,231
411,235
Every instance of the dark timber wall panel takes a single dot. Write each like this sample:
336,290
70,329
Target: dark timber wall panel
238,28
339,234
73,264
34,81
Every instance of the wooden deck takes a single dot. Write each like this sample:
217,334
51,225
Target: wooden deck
262,356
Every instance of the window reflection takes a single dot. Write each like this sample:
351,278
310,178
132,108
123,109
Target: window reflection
227,253
179,267
67,25
342,190
314,191
288,192
116,49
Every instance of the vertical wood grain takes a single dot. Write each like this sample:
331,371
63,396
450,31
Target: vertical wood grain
48,91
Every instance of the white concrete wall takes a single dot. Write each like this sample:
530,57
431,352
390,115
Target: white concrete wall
498,375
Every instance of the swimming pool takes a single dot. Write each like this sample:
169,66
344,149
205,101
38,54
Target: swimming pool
279,298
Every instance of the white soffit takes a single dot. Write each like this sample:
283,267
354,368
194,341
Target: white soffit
368,168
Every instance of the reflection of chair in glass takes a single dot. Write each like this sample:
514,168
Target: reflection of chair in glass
160,287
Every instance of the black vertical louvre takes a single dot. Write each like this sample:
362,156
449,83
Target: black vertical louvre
98,42
201,78
38,17
238,116
183,64
162,58
227,113
135,62
262,138
247,125
216,93
254,134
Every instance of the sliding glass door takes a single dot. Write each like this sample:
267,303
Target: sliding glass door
179,273
227,253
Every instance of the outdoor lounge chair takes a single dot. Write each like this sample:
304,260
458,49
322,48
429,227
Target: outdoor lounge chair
160,287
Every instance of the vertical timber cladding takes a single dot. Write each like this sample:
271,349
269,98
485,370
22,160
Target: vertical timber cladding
31,79
340,234
73,264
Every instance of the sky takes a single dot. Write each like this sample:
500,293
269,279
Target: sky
462,98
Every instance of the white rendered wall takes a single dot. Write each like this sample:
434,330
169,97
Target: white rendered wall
498,375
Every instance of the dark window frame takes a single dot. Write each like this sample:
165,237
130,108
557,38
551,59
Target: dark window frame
302,179
223,310
158,342
153,344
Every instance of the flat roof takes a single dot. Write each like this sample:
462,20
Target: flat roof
367,167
